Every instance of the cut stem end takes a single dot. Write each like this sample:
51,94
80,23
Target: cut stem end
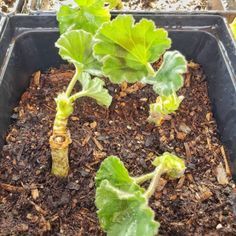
59,144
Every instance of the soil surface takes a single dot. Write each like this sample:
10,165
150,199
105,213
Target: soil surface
7,6
32,202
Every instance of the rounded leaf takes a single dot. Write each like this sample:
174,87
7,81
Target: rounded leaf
76,47
124,213
169,77
113,169
94,88
126,48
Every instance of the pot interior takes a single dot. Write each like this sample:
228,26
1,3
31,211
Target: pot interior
35,50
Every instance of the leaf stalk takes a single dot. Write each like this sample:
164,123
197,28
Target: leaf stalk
143,178
150,70
73,81
155,181
77,95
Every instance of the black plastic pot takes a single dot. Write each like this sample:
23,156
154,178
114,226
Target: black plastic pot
2,23
28,42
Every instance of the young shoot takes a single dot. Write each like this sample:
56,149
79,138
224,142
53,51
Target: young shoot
164,105
122,203
127,51
75,47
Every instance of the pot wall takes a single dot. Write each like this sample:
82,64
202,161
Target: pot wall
2,23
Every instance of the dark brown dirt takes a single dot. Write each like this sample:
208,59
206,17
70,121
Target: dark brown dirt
32,202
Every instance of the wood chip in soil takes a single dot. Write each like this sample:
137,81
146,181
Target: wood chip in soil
32,202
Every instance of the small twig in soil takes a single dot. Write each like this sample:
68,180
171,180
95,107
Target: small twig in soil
38,208
11,188
98,144
227,168
187,150
36,79
86,140
50,108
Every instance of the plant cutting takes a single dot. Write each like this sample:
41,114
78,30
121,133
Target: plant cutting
122,203
76,47
127,51
125,57
164,105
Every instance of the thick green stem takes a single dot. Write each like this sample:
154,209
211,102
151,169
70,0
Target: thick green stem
150,70
59,143
60,160
141,179
154,183
73,81
60,139
60,123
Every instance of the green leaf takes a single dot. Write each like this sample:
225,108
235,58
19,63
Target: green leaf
76,47
89,16
123,213
122,207
126,49
114,170
172,165
66,16
94,88
233,27
169,76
